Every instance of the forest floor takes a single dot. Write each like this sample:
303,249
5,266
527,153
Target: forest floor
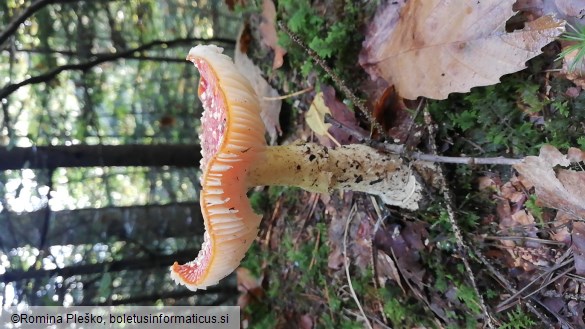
344,259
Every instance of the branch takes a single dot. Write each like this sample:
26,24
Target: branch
401,150
455,160
69,53
27,13
6,91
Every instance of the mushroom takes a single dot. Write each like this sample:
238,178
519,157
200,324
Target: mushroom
235,158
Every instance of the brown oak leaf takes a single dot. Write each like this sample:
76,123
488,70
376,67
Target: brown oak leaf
433,48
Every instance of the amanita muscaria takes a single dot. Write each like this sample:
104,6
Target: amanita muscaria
235,158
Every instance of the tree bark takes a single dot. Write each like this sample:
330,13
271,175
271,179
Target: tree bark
91,226
51,157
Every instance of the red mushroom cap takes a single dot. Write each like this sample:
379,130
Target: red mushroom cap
232,137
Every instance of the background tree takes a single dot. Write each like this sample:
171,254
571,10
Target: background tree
83,219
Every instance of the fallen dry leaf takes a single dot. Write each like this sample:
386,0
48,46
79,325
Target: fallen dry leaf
562,223
336,208
395,116
306,322
573,68
572,11
510,192
533,7
561,189
344,115
573,92
404,243
564,9
249,287
270,112
436,47
387,270
488,182
268,32
576,155
315,117
574,8
361,246
578,247
335,259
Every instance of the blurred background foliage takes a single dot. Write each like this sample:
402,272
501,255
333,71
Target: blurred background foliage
92,73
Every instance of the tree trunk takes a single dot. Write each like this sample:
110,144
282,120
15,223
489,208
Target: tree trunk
169,295
132,264
91,226
51,157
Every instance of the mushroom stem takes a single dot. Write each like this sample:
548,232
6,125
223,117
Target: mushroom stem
355,167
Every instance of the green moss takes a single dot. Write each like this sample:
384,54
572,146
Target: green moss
517,319
512,118
331,33
290,194
259,201
308,281
404,312
532,206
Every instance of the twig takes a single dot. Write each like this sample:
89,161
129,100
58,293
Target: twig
401,150
273,217
296,93
466,160
352,132
523,239
564,295
315,250
374,259
329,303
419,107
378,302
380,220
69,53
382,324
510,288
346,265
24,15
567,260
338,81
471,161
416,292
449,203
313,200
553,280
